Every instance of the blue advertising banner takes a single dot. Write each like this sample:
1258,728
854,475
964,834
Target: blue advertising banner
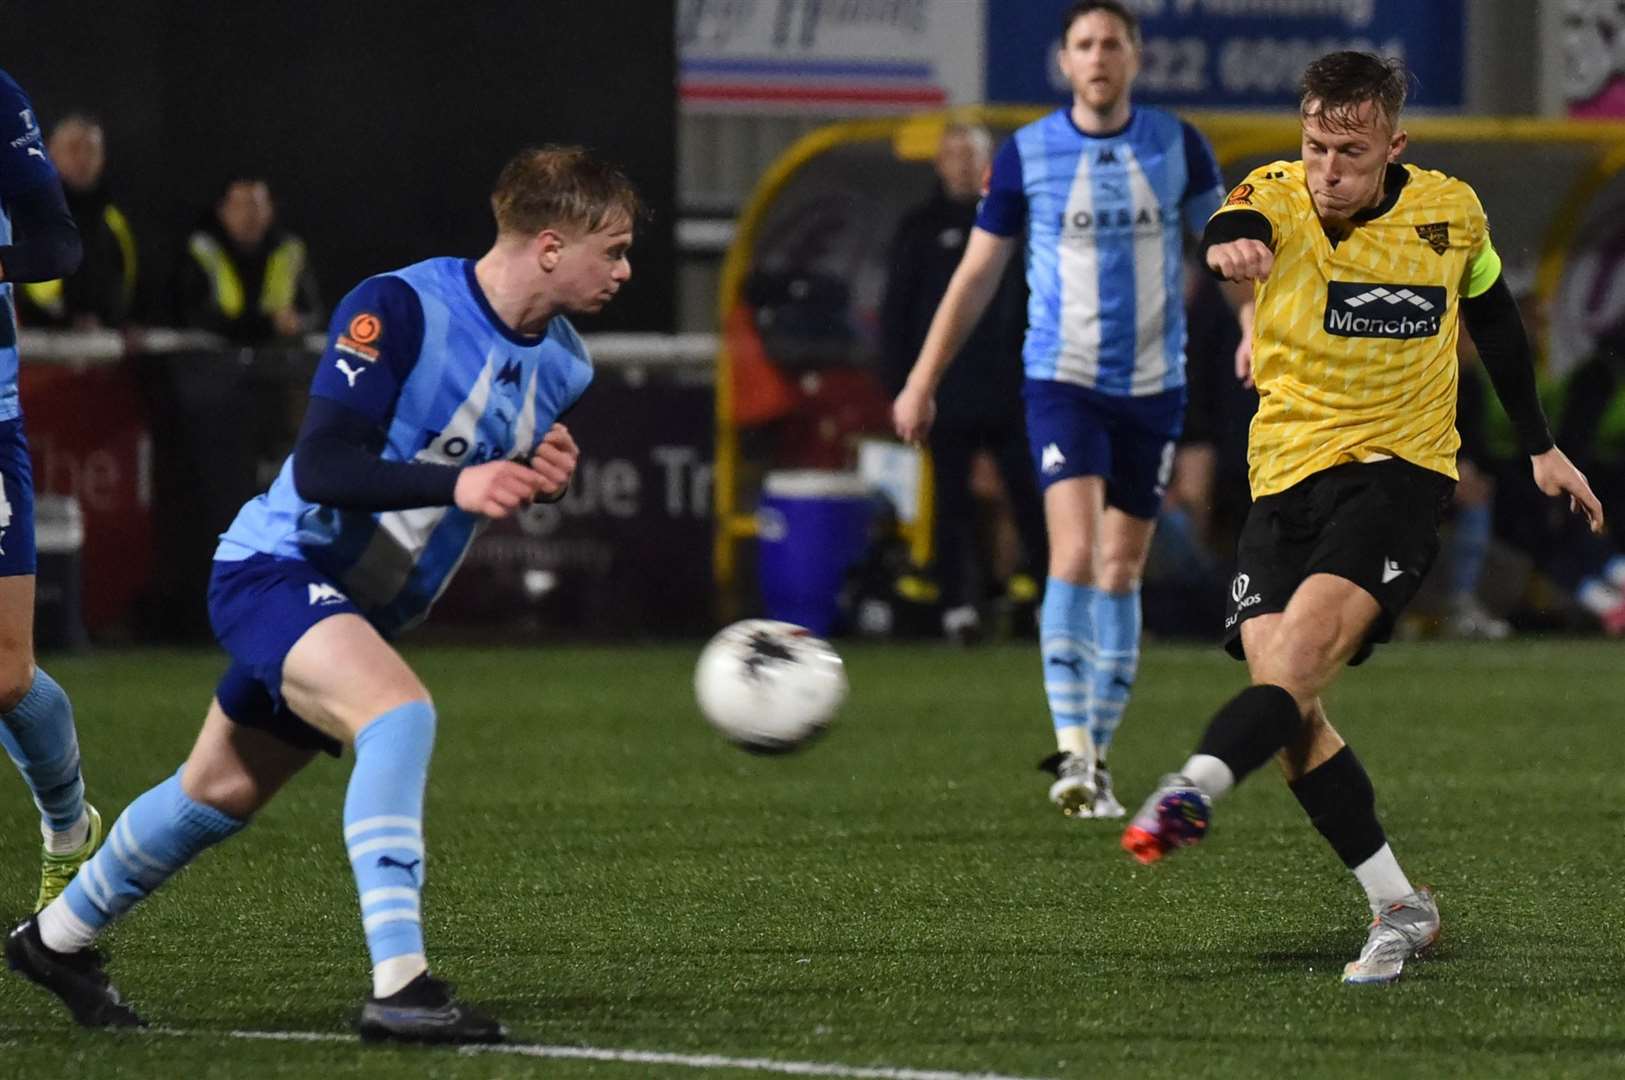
1235,53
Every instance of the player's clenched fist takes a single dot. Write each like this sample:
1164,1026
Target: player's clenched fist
497,488
1241,260
554,461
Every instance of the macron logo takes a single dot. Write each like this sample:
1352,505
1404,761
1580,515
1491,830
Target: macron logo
1390,571
1052,459
324,594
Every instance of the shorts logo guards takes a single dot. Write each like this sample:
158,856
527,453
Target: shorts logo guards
1355,309
1241,598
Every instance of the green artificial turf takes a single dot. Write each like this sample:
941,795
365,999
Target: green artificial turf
605,871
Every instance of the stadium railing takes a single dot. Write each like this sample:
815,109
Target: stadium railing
161,434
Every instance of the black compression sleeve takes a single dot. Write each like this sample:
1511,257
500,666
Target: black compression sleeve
49,246
1236,225
1492,319
336,463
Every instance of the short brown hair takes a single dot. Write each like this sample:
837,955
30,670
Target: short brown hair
549,186
1340,82
1114,8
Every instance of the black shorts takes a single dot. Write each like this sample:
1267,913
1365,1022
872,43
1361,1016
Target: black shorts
1376,525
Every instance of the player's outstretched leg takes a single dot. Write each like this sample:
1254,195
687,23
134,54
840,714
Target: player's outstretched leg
159,833
1341,803
1067,644
1115,622
1247,731
383,830
39,737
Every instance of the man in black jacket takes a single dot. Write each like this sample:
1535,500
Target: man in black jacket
979,401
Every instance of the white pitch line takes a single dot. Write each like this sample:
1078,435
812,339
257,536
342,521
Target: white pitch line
633,1057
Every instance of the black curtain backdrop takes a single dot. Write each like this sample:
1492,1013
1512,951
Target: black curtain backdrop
380,124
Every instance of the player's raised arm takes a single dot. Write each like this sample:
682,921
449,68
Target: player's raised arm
1236,247
1491,315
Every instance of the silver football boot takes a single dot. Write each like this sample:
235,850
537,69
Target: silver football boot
1400,931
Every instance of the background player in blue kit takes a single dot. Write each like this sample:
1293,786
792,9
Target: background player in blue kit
38,242
1105,193
434,410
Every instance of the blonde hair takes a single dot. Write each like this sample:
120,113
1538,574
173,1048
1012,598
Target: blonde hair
561,186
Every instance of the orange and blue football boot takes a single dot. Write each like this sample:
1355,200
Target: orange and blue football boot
1175,816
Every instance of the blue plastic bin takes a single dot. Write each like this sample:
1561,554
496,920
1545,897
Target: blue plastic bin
812,526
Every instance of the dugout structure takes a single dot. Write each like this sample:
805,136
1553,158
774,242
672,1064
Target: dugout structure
799,371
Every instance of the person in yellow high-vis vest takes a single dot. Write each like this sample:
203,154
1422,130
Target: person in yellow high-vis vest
101,291
243,277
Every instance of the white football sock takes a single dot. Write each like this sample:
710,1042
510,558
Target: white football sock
62,841
1382,879
392,975
1210,775
62,930
1075,739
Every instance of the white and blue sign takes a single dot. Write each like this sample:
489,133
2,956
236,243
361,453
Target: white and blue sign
1235,53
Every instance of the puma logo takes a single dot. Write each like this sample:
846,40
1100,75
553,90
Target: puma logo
385,862
1074,664
351,374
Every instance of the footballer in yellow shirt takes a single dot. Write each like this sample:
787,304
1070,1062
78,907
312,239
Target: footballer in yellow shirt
1361,267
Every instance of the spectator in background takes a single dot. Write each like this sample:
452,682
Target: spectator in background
979,402
100,292
242,276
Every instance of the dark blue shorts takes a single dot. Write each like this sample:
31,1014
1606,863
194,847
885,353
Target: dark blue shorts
1075,431
259,607
17,555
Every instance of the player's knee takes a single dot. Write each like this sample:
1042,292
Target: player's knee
1117,573
16,679
232,791
1070,561
410,725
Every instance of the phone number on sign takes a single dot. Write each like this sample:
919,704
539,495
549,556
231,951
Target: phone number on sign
1248,66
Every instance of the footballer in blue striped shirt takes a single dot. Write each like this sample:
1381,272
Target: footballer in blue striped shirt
434,410
1105,193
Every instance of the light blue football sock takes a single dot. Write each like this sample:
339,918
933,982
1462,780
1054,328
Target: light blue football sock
39,738
1116,621
1065,640
1469,545
383,827
159,833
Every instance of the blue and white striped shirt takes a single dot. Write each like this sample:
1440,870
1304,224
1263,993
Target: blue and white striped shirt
1105,217
420,352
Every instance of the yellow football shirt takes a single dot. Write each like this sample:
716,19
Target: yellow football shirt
1354,337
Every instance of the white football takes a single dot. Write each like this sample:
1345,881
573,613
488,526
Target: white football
769,686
